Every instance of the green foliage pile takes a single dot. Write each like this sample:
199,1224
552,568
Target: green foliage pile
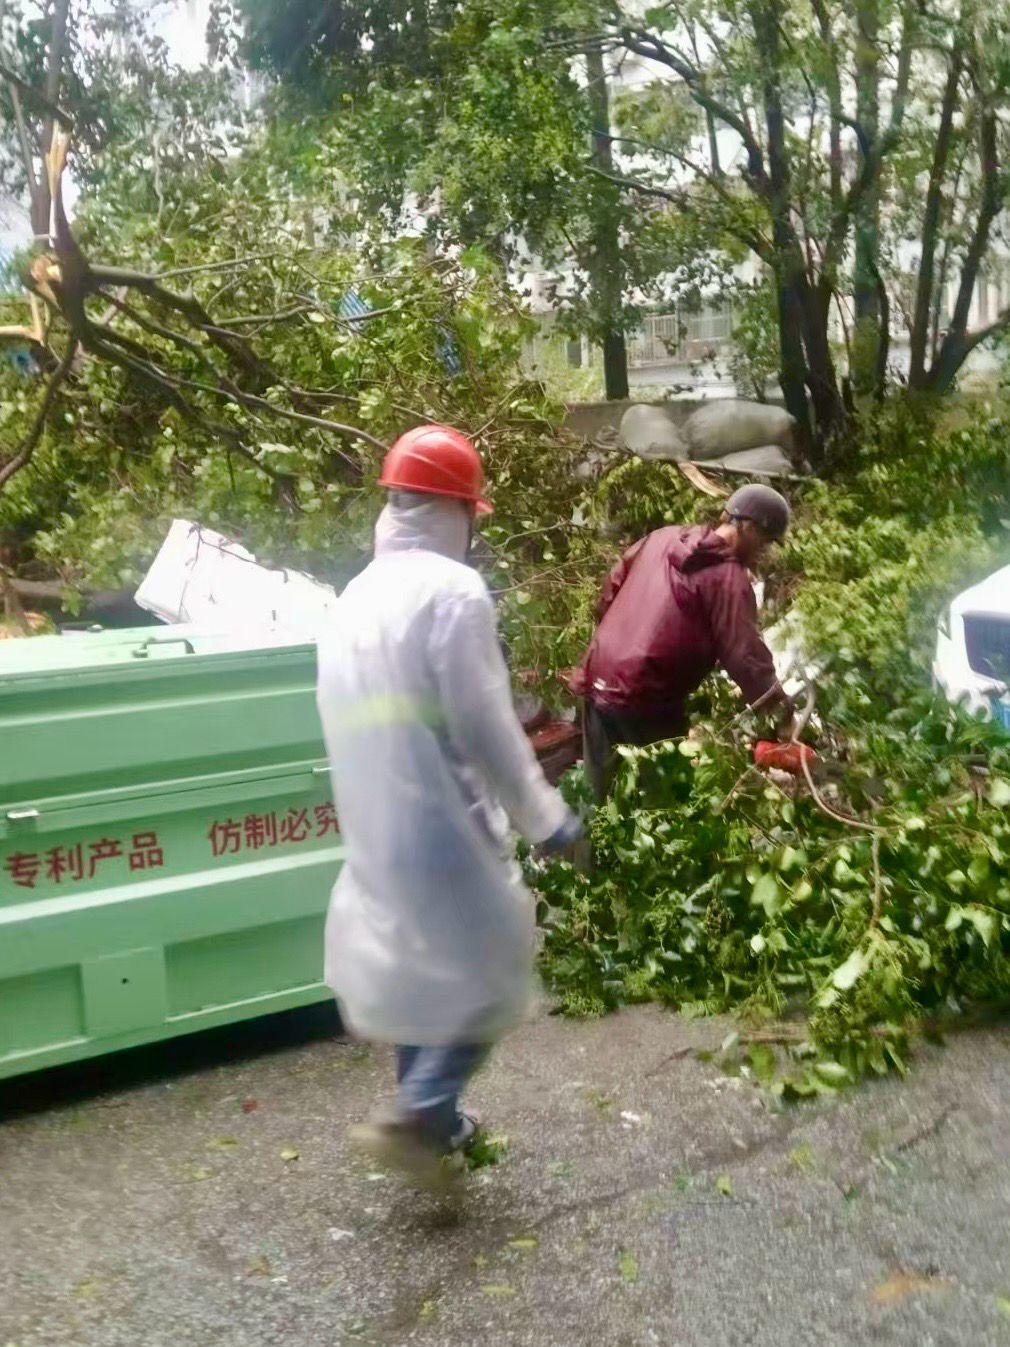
717,887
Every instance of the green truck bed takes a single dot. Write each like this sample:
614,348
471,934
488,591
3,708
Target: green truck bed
167,838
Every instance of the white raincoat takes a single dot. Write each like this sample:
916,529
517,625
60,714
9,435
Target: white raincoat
429,937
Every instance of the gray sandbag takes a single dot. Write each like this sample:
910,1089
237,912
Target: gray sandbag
769,459
651,432
731,425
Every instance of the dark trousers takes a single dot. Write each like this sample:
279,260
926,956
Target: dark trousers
430,1082
603,730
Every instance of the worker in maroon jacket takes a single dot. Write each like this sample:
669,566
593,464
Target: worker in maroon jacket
678,605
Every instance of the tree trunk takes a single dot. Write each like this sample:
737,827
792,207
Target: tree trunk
865,290
957,345
793,365
822,377
919,335
803,307
607,273
41,203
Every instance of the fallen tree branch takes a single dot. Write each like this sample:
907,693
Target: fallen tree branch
204,267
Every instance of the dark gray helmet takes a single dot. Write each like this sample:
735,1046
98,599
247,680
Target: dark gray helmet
763,505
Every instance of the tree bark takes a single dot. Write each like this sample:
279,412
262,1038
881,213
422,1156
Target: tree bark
793,365
957,345
42,197
802,304
919,335
865,290
607,276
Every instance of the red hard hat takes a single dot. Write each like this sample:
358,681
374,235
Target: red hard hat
437,461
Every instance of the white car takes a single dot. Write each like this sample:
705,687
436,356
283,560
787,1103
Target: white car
972,664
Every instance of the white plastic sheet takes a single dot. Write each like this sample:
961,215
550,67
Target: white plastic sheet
203,578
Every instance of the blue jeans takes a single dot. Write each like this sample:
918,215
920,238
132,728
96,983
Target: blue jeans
430,1081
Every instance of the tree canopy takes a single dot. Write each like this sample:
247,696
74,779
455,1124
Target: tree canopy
856,153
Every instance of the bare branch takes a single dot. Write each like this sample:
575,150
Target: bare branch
156,329
999,324
681,198
645,44
232,262
253,319
957,345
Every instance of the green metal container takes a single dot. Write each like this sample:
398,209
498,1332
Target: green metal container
168,840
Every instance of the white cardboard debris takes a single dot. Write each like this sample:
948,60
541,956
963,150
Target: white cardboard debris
203,578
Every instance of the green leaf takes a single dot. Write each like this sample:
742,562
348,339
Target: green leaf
847,974
802,891
486,1149
998,793
979,870
832,1072
791,858
763,1063
767,894
984,921
499,1290
627,1266
724,1185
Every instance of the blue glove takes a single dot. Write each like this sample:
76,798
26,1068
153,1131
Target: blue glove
569,832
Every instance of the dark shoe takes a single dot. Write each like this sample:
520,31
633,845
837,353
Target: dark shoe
463,1137
403,1147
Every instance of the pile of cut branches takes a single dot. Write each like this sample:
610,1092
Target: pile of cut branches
851,916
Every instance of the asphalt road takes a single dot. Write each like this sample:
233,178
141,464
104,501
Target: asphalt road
203,1193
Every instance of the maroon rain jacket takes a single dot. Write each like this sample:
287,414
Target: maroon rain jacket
676,606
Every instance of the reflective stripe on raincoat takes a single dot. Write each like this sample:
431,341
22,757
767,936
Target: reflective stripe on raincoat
429,936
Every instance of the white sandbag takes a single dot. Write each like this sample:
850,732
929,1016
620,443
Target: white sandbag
730,425
769,460
651,432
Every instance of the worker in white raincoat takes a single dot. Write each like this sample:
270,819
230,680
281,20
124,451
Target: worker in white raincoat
429,937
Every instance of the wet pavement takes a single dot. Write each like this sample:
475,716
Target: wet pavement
203,1193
